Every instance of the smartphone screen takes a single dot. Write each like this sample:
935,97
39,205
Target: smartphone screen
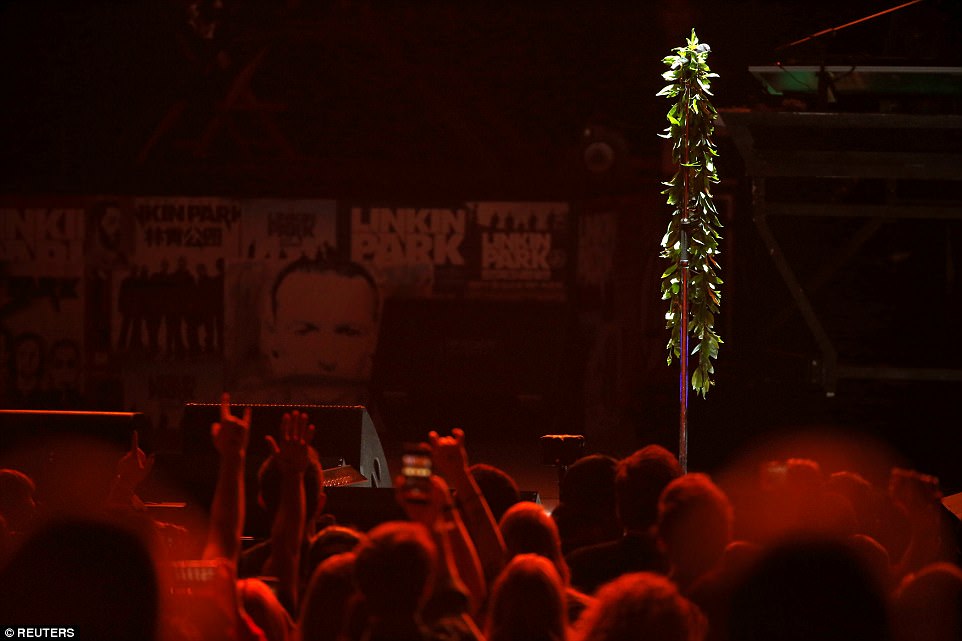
416,471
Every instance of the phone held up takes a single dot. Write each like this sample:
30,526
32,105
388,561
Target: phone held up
416,466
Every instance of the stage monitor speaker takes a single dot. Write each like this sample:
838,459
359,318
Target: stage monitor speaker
71,455
953,503
342,431
531,495
20,429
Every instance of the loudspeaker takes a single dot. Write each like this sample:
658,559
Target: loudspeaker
531,495
25,427
341,431
953,503
72,456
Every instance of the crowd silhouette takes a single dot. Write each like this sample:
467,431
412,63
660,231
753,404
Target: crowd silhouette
635,550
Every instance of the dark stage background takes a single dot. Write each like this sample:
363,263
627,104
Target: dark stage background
327,108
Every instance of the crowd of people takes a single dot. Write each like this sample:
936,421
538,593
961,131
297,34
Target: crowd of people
635,550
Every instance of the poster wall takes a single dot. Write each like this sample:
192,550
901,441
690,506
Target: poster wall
597,249
143,303
524,250
41,303
412,252
622,321
301,326
285,229
496,250
168,325
170,304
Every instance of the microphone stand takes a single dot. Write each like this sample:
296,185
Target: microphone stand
683,338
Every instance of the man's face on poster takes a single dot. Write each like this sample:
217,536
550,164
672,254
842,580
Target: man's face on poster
64,367
110,227
27,358
324,330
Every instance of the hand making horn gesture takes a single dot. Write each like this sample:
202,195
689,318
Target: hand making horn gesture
231,433
134,466
449,454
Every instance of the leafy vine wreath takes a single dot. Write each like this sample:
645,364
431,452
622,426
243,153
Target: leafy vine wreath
691,242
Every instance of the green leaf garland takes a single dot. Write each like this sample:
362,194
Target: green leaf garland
691,126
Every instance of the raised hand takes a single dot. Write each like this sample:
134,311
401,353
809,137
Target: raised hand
231,434
293,451
230,437
134,466
460,562
451,462
450,457
292,455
